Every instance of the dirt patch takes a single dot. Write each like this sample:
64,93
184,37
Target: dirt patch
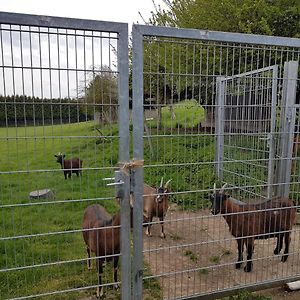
198,256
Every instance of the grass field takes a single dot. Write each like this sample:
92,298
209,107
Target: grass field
29,164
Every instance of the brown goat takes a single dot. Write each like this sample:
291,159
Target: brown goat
156,204
247,222
104,240
69,166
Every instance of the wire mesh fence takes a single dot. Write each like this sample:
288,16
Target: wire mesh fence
59,93
214,113
207,108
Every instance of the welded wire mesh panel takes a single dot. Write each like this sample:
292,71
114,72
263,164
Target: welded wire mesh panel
58,101
181,109
248,129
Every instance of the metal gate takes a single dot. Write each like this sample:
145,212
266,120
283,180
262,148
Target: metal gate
210,101
246,105
63,89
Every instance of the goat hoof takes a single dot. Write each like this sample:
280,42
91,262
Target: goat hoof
276,251
238,265
116,286
248,268
284,258
99,293
162,235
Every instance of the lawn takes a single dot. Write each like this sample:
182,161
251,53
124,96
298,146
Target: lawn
54,262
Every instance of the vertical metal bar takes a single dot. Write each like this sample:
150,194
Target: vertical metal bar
287,126
219,124
272,133
123,92
138,152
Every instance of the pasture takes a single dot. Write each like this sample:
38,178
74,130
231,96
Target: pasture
47,252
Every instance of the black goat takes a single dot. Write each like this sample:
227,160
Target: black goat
69,166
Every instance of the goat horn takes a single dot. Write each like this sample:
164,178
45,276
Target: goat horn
131,200
161,182
167,183
223,187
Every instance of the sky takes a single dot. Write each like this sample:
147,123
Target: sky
55,65
103,10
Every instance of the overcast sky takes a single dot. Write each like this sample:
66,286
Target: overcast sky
48,65
102,10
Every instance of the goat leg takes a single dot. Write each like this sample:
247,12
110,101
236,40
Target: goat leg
249,264
88,250
287,241
162,235
116,260
99,264
279,243
149,227
240,244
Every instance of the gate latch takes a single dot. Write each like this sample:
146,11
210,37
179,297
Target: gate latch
118,183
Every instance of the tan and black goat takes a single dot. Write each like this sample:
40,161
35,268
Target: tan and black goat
156,204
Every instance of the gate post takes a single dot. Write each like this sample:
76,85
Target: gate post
123,92
219,125
138,152
287,127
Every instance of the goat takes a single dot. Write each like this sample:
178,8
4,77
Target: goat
104,240
156,204
247,222
69,166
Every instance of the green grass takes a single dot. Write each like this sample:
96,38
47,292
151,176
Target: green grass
185,114
37,153
245,295
214,259
187,160
192,256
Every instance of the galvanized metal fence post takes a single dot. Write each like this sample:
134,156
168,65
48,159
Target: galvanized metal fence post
271,137
287,128
138,153
219,124
124,141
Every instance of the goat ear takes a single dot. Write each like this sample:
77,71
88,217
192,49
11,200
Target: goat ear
64,156
55,155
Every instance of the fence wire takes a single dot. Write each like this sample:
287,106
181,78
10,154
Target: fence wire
196,140
58,95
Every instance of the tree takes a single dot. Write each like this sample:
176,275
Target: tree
171,62
271,17
101,94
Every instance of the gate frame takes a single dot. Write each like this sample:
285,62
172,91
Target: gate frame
121,29
138,33
219,122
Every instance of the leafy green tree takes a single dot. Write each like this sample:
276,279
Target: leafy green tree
101,94
170,62
271,17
